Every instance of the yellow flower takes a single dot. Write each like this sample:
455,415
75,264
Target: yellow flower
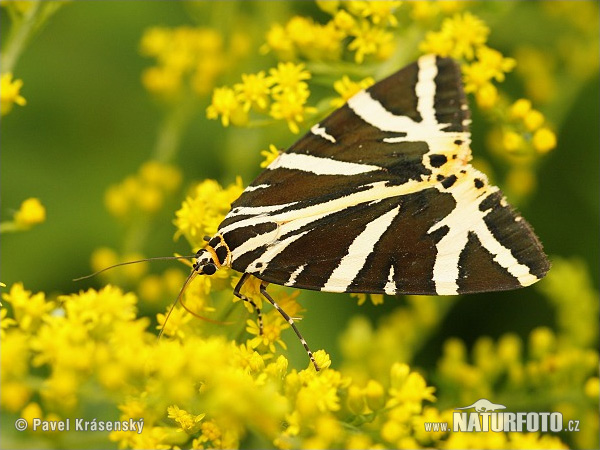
519,108
155,41
10,93
289,106
460,37
302,31
270,155
380,12
376,299
289,77
512,141
273,325
5,322
343,20
495,62
30,213
188,422
368,40
487,96
29,311
278,40
468,32
408,387
544,140
254,90
437,43
162,80
348,88
203,210
533,120
225,104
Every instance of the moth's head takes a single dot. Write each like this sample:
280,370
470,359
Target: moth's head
205,263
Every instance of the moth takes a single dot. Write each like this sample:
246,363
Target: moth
379,197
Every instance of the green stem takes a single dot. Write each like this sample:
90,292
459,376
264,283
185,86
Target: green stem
9,227
171,130
23,29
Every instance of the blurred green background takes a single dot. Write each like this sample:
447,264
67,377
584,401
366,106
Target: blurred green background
89,123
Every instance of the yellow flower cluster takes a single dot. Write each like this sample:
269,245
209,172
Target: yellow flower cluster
356,26
30,213
186,58
10,92
347,88
282,95
204,209
144,192
530,123
463,37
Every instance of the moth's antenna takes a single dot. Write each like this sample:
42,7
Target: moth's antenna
190,277
179,299
132,262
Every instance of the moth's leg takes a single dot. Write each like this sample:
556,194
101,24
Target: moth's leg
238,294
263,291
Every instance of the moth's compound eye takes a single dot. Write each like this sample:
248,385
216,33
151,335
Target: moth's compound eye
209,269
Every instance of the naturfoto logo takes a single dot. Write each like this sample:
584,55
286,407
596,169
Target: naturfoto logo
489,416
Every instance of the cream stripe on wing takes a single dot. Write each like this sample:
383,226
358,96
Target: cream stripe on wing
319,166
362,246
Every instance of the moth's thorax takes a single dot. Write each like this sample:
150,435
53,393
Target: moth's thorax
219,251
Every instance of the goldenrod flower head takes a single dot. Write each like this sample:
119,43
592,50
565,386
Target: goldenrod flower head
225,103
460,37
369,40
289,105
277,39
487,96
329,6
348,88
468,32
30,213
289,77
520,108
183,54
344,21
5,322
10,93
301,31
273,325
533,119
542,341
144,192
203,210
189,423
380,12
29,310
270,155
408,387
494,61
254,90
376,299
512,141
544,140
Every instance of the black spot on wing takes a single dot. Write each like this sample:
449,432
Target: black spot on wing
437,160
449,181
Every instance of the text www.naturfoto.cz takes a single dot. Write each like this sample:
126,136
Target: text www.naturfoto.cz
436,427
